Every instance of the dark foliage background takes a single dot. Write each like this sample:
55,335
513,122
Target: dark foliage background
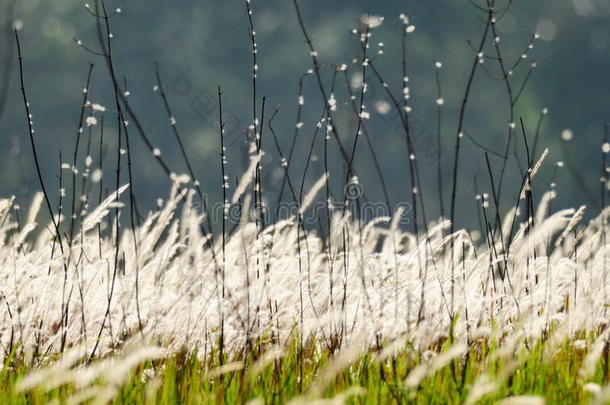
201,44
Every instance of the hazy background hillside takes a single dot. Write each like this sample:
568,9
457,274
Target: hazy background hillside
205,43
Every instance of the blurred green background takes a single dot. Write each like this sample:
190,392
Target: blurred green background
201,44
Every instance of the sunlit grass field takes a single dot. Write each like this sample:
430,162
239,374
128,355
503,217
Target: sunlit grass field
101,302
485,373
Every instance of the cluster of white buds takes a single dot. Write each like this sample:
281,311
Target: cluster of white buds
484,198
372,21
332,102
409,28
95,106
90,121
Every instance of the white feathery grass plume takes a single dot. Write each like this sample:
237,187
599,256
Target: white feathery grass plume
387,246
543,205
270,355
102,210
593,388
162,222
6,204
601,395
95,394
189,214
35,207
115,369
482,387
247,177
337,364
225,369
245,211
311,195
522,400
339,399
533,172
589,364
428,369
576,218
390,350
50,377
25,231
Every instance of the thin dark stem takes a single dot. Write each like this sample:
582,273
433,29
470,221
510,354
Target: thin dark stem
316,66
439,126
460,126
364,38
367,137
120,126
297,127
79,132
133,219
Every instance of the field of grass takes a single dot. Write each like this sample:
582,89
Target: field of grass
486,372
382,324
183,305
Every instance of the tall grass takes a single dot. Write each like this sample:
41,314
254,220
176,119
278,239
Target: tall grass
160,309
